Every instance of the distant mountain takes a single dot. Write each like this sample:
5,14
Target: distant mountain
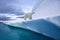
8,32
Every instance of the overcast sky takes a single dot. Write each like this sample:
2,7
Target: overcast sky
16,6
44,8
48,8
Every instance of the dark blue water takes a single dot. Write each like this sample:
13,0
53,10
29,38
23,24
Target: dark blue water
8,32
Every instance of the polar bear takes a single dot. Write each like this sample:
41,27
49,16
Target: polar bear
28,15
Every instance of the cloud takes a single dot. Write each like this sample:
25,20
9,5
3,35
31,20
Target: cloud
4,18
11,9
10,6
28,5
7,17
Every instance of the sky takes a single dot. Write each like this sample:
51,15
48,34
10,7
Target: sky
27,5
48,8
15,7
42,8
